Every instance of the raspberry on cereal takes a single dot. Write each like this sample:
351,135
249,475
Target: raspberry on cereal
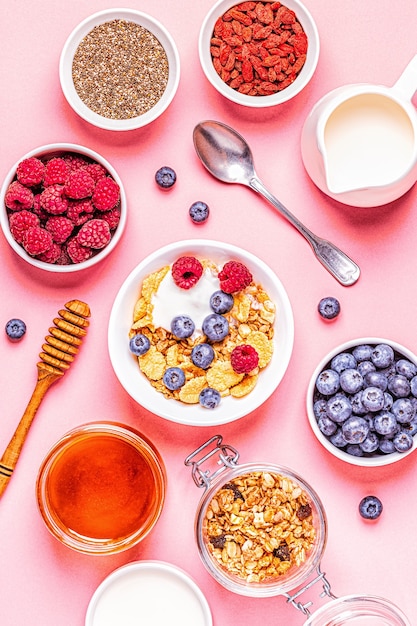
234,276
20,221
30,172
60,228
18,197
37,240
56,172
94,234
79,184
53,200
186,271
76,252
244,358
106,194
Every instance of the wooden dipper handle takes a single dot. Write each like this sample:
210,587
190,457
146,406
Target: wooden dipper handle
57,356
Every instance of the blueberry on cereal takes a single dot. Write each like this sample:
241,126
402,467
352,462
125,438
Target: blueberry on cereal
215,327
173,378
209,398
202,355
182,326
139,344
221,302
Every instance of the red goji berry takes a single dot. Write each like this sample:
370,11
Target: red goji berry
239,16
215,51
259,68
225,50
264,13
271,60
266,88
236,82
246,6
299,41
233,41
247,33
247,71
230,63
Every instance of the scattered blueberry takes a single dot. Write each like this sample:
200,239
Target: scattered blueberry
329,308
370,507
139,344
209,398
199,212
202,355
173,378
215,327
165,177
221,302
182,326
15,329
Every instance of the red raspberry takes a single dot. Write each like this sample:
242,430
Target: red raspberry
186,271
96,171
52,255
18,197
64,258
79,184
20,221
75,161
234,277
112,218
106,194
30,172
37,240
79,211
244,358
37,209
56,172
53,200
60,228
78,253
94,234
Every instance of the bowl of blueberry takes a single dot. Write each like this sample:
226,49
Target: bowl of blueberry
201,332
362,401
62,208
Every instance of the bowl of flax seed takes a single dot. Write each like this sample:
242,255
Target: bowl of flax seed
119,69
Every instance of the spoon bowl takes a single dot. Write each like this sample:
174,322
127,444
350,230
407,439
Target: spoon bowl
228,157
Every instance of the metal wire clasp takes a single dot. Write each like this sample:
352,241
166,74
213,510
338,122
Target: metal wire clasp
304,608
227,458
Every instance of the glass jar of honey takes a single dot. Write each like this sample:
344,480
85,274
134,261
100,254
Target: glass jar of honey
101,488
261,531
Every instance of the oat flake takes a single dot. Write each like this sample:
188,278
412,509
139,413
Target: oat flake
120,70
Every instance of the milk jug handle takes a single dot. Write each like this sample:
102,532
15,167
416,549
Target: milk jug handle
407,82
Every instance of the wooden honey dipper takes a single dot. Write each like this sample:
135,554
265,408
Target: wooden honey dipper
57,355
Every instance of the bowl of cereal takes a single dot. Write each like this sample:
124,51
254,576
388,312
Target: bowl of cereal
259,54
201,332
119,69
62,208
362,402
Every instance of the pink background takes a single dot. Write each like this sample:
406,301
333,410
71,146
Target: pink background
45,583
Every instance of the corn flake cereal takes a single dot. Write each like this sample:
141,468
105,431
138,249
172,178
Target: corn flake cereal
251,321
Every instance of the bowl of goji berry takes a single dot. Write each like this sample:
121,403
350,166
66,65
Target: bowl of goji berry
62,207
259,54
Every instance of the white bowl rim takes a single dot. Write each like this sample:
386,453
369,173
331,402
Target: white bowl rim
73,267
149,566
75,38
309,26
230,409
375,461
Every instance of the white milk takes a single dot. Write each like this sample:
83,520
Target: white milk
149,597
369,141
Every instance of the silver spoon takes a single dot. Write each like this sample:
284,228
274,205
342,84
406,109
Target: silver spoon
228,157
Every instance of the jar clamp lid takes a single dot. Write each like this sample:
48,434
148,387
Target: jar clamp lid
224,482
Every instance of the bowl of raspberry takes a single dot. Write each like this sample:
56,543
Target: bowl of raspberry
201,333
62,208
362,402
259,54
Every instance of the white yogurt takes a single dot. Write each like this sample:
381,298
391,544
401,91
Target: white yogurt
170,300
148,592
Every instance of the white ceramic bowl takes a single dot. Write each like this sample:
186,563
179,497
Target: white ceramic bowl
70,48
206,32
146,592
366,461
137,385
46,152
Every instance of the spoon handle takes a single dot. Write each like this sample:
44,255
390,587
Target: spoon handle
334,260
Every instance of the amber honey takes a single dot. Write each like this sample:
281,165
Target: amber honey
101,488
